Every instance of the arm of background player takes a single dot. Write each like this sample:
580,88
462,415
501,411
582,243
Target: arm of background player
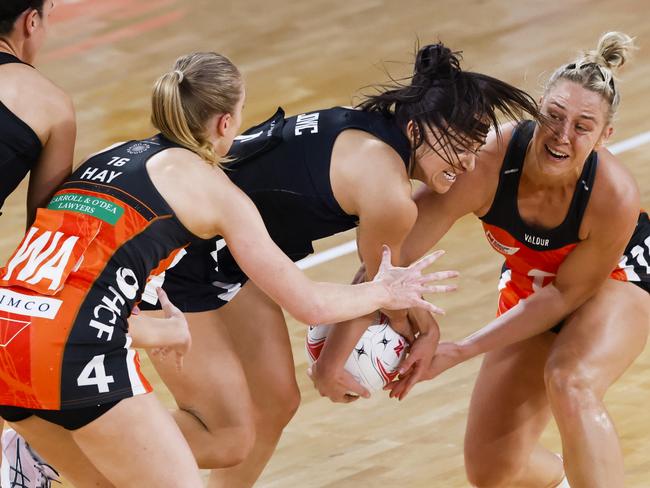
55,162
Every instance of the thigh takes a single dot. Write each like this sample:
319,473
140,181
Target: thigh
212,384
260,337
603,337
57,447
137,443
508,409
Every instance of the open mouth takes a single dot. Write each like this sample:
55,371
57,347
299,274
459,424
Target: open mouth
555,154
449,176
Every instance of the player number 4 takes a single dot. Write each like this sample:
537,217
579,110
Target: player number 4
95,374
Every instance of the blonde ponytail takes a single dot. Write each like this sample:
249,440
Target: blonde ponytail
595,69
184,99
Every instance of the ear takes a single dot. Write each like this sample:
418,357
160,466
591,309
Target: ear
223,124
604,137
411,131
31,21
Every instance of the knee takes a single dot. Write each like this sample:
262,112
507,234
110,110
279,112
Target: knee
238,446
278,408
224,444
570,389
483,471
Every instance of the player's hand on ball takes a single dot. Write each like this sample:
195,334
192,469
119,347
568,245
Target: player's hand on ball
178,339
448,355
336,384
415,366
406,286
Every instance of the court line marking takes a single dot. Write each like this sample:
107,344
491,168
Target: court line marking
351,246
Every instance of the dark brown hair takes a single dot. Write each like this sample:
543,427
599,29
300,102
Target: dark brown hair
457,107
10,10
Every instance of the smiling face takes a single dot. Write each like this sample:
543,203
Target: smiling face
577,125
433,170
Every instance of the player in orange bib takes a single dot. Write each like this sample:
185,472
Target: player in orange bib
574,307
67,366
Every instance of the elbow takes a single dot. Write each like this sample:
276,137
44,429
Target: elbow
314,314
312,311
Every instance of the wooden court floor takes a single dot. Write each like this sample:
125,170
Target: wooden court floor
313,54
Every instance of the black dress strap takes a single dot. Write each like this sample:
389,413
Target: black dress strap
8,58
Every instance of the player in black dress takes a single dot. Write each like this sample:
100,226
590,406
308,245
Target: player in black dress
37,121
311,176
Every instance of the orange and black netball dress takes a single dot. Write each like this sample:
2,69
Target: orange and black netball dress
66,292
533,255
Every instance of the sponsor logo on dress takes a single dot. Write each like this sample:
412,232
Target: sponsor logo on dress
103,209
138,148
502,248
29,305
536,241
10,329
307,122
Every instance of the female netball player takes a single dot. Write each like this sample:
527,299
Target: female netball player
65,295
573,306
311,176
37,117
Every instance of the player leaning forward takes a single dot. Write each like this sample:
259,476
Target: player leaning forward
311,176
69,378
574,308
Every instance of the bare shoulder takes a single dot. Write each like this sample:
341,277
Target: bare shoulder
364,169
194,189
51,97
37,101
615,196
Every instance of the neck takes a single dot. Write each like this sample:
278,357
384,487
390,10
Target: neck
7,46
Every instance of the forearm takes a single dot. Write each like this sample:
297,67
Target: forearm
341,341
536,314
323,303
424,322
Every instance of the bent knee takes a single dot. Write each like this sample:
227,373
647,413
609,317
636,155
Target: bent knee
225,441
484,472
231,448
571,389
279,407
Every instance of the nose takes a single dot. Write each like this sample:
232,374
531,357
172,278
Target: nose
561,131
468,161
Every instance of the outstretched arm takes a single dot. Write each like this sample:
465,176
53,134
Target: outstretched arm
309,301
579,277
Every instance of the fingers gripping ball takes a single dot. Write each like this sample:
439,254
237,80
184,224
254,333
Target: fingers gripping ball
375,358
